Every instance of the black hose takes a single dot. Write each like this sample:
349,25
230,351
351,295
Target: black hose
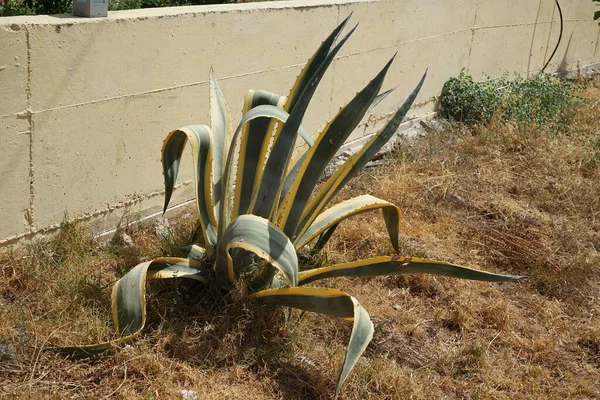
559,36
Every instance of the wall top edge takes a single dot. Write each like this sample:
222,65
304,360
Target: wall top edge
63,19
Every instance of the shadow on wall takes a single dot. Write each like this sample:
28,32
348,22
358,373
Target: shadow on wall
562,68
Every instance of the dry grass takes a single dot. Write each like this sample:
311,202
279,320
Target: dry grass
502,198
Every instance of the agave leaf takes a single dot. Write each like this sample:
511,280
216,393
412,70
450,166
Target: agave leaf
292,174
400,265
193,252
200,138
259,236
328,142
296,163
307,73
379,99
312,66
252,139
331,302
355,163
265,198
229,211
129,300
323,239
220,123
348,208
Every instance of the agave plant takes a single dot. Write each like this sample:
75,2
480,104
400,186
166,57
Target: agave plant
257,206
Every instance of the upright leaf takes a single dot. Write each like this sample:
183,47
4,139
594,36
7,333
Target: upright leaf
312,66
328,142
229,210
220,123
253,138
355,163
269,190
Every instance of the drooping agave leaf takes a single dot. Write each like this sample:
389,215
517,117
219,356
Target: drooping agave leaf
331,302
355,163
220,124
200,138
229,210
256,235
349,208
400,265
193,252
129,300
328,142
267,195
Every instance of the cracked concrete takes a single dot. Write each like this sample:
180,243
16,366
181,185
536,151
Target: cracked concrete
85,103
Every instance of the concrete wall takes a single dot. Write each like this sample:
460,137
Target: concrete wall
85,103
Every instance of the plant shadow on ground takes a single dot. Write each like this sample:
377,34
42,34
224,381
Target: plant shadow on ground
207,328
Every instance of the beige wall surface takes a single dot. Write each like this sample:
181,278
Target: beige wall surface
85,103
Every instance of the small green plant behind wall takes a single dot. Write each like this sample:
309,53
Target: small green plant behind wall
257,206
541,100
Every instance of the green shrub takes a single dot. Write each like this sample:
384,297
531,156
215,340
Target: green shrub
14,8
34,7
541,100
114,5
256,210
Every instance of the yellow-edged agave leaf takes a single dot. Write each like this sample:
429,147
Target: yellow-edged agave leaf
328,142
400,265
253,137
348,208
129,299
331,302
193,252
220,123
229,210
355,163
256,235
296,164
266,197
303,79
312,65
200,138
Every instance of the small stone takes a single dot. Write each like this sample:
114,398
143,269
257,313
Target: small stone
162,227
189,394
122,239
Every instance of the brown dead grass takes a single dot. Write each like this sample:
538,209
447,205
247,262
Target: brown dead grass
501,198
